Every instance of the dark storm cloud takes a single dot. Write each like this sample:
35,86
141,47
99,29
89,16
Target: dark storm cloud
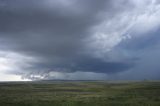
89,64
100,66
55,34
32,26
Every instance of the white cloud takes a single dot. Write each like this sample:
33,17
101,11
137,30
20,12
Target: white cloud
78,75
11,62
128,23
11,77
148,20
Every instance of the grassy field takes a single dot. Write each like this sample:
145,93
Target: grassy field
80,93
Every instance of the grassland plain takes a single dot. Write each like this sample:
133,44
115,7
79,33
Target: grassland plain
80,93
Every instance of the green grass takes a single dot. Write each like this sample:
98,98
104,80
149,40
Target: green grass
97,93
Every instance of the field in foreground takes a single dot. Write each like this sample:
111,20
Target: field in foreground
80,93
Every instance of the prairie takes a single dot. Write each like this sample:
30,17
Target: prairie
80,93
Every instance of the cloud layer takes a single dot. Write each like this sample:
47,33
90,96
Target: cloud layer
68,39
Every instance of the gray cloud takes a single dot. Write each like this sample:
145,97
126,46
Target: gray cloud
69,36
27,27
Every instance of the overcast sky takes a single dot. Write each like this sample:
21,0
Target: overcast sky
79,39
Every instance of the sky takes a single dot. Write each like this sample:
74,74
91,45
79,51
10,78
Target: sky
79,40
